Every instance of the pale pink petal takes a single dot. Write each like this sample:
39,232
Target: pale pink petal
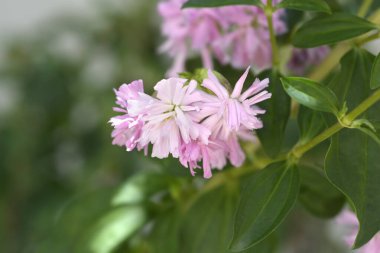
239,84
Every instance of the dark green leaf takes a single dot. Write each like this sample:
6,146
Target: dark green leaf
140,187
331,29
310,123
164,237
351,84
267,197
352,163
311,94
305,5
217,3
276,117
117,226
375,74
318,195
207,225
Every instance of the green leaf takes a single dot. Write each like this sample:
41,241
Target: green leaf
116,227
217,3
140,187
209,217
267,197
352,162
311,94
164,237
310,123
207,224
318,195
375,137
305,5
276,117
351,83
330,29
375,73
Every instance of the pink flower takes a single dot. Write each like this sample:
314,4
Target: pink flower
237,110
127,128
170,118
246,39
187,31
213,155
236,35
232,115
350,222
302,59
188,123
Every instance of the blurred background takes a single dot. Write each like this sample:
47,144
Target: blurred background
59,63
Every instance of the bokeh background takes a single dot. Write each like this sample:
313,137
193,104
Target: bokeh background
59,63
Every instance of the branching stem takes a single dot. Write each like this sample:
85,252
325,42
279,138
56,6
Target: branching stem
298,151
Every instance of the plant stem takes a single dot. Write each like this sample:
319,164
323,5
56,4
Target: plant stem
364,106
330,62
368,39
364,7
298,151
275,53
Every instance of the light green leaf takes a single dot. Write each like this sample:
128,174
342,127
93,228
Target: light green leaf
311,94
310,123
267,197
374,135
331,29
276,117
375,73
218,3
140,187
116,227
305,5
317,194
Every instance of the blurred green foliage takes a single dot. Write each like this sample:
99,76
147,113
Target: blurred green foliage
58,169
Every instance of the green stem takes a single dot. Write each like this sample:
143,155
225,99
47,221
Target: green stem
275,52
368,39
364,8
298,151
330,62
364,106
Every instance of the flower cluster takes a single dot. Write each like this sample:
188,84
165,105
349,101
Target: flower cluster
236,35
348,219
192,122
